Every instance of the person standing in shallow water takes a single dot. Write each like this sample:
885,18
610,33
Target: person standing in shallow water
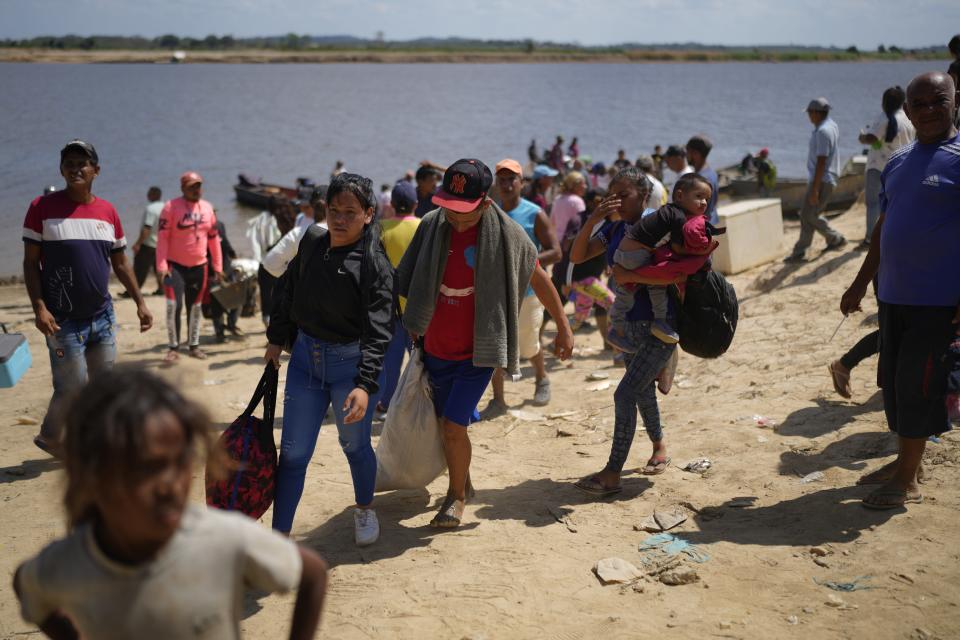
335,303
914,251
71,240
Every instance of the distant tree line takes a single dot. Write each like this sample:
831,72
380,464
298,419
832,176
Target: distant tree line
293,41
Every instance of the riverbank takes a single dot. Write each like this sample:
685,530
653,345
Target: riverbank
341,56
773,536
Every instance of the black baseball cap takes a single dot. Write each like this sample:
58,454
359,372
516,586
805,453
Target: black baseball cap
83,147
465,184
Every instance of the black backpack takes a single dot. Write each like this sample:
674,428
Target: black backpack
708,315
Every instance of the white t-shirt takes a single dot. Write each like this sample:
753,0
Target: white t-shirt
658,193
285,250
263,232
193,589
670,178
877,158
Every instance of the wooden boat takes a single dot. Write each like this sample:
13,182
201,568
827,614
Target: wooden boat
258,195
791,191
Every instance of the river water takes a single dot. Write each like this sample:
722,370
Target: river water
150,123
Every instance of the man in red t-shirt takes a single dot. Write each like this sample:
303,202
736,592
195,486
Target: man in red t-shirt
449,339
71,240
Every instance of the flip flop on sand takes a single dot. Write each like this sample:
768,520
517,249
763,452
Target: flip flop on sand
656,466
171,357
841,379
891,498
594,487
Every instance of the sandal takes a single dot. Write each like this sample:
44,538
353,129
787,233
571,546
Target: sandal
891,498
594,487
841,379
656,466
450,514
199,354
171,357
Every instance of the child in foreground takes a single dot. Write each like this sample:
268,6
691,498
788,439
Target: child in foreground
139,561
689,246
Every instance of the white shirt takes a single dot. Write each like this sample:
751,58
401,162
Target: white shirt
658,193
670,178
877,158
285,250
193,588
263,233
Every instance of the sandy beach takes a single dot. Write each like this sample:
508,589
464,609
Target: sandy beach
522,566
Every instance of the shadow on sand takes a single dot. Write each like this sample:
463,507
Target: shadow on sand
826,416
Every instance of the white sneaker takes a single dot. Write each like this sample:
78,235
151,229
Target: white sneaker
366,527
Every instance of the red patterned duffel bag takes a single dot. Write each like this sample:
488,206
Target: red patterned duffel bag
249,446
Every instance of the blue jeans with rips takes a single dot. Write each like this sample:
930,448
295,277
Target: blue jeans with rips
320,373
638,391
81,349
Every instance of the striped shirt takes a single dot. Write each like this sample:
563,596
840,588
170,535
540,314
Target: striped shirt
76,241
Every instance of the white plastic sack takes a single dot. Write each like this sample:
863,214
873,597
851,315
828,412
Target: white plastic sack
410,451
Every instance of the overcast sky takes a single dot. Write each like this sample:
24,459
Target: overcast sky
864,23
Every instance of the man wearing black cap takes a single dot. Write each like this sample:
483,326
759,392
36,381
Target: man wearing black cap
823,167
72,239
465,275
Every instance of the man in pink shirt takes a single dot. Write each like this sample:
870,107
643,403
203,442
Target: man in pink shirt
188,228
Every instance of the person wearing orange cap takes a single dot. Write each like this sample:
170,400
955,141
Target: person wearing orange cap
540,230
188,229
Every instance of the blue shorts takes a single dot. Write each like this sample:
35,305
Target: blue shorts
457,387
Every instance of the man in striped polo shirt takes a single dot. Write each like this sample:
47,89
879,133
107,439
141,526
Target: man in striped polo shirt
71,241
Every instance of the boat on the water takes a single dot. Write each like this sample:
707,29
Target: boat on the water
257,194
791,191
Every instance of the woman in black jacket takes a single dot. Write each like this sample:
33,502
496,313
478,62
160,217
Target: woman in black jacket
335,309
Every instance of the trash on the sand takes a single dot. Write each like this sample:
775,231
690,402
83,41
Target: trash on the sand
902,577
857,584
934,439
669,545
669,518
648,524
820,562
561,414
561,516
792,620
600,386
528,416
834,601
25,420
662,520
698,466
819,551
742,501
212,383
563,434
611,570
816,476
598,375
763,421
679,577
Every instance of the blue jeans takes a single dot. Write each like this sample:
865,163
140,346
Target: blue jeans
320,373
638,390
80,349
393,363
872,196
